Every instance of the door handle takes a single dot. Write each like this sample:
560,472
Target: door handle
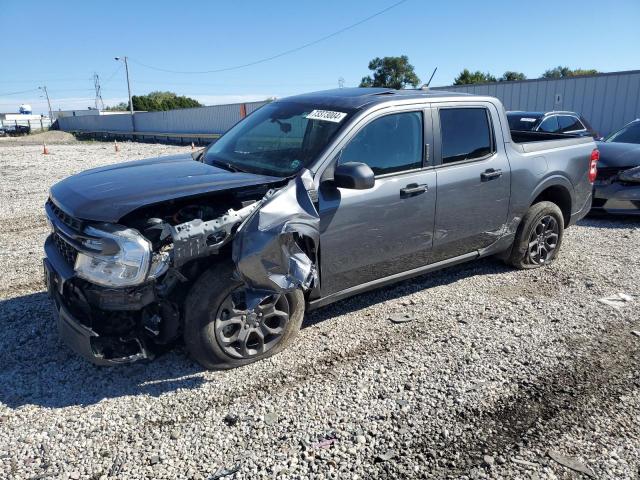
413,189
490,174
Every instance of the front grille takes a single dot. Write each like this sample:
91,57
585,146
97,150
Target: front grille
66,250
65,218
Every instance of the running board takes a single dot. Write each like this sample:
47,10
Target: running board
382,282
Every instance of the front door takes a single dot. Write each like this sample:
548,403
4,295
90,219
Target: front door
370,234
473,181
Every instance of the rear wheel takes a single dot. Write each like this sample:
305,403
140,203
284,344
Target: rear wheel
219,331
539,236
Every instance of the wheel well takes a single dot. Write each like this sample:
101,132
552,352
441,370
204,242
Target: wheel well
560,196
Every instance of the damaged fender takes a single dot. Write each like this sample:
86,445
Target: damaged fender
268,246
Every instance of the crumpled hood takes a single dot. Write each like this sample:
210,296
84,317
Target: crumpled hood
107,194
619,154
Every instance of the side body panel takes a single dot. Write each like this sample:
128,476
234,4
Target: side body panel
374,233
534,172
531,168
369,234
472,208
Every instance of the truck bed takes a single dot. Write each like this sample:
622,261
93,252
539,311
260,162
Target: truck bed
528,142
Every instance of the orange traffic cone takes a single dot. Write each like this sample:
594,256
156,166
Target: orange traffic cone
45,150
193,147
115,146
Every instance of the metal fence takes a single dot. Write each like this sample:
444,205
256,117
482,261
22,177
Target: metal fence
188,123
40,124
607,100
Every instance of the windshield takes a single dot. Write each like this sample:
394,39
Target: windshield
627,134
522,121
279,139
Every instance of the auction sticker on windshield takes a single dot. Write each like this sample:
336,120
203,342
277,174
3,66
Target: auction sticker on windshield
327,116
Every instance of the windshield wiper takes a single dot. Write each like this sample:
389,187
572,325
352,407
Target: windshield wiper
227,166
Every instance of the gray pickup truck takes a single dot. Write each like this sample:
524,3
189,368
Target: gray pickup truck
308,200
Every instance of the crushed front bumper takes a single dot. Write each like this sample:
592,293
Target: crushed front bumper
617,198
75,330
80,339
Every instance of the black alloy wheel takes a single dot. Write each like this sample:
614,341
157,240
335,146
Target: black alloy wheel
242,334
543,241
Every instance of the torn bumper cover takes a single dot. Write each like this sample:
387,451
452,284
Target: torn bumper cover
84,341
76,334
275,248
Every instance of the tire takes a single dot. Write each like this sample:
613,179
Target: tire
538,238
213,320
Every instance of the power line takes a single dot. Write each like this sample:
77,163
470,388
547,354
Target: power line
112,76
281,54
18,93
43,81
226,84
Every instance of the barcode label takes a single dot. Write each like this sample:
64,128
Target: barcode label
327,116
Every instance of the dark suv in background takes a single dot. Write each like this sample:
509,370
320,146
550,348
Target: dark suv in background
569,123
617,188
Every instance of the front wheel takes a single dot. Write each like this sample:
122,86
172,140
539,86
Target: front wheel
220,333
539,236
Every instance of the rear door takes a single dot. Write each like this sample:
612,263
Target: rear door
473,176
370,234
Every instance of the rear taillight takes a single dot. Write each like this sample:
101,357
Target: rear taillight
593,165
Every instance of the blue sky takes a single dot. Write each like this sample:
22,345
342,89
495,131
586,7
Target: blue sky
62,43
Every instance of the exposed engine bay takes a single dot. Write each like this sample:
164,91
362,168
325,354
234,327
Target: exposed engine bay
270,234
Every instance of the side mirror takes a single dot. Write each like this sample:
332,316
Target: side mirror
353,175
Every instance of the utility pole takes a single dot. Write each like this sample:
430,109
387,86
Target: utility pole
44,88
340,82
126,67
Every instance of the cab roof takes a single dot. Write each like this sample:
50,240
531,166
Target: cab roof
357,98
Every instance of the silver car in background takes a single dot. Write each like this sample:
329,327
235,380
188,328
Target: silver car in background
568,123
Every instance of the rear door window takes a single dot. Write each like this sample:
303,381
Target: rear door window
388,144
549,125
465,134
569,123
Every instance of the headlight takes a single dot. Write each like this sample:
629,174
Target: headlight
127,265
631,175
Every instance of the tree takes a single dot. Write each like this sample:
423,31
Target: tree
564,72
120,107
466,77
510,76
391,72
155,101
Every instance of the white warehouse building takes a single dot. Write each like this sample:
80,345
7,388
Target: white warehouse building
607,100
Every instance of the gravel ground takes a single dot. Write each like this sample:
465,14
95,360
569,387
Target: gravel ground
498,374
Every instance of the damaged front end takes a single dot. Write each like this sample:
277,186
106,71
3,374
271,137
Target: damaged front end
119,289
275,250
